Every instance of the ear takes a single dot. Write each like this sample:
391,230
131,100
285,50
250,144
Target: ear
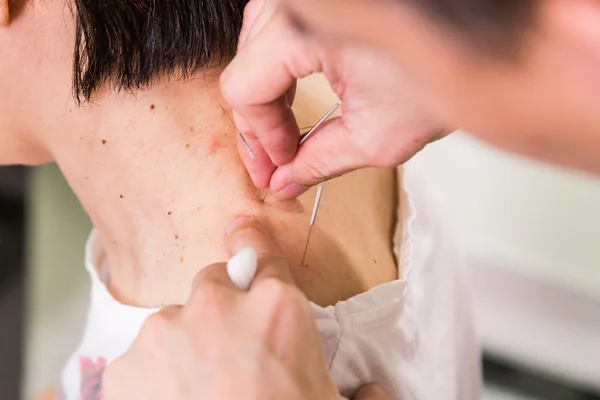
4,13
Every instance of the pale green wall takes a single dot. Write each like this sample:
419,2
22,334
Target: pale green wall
58,287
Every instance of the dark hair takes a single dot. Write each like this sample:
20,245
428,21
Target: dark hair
495,24
128,43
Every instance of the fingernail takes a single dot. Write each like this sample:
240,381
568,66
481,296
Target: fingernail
241,268
236,223
291,191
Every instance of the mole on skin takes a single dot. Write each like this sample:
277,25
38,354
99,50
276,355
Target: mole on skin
152,107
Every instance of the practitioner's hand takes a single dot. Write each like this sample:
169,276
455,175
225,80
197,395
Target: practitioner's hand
381,125
226,343
370,392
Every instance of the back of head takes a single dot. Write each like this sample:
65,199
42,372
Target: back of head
128,43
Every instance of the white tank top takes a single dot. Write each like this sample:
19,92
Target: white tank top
414,336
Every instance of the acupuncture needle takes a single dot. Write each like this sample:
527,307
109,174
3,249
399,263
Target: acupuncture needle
321,121
312,219
246,145
249,149
242,138
310,133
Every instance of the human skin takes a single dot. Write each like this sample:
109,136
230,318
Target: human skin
270,326
160,177
159,174
537,99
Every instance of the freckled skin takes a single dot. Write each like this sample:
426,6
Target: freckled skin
211,187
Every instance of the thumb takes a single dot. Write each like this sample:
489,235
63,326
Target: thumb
330,152
370,392
246,232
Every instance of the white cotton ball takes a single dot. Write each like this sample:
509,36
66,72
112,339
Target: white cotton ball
241,268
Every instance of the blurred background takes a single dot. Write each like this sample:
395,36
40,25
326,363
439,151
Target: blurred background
531,234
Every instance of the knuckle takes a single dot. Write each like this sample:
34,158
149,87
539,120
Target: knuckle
208,294
212,306
208,303
230,89
198,280
317,170
279,295
248,232
255,236
304,57
203,279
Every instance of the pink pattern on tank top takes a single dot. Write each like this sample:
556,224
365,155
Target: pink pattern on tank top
91,377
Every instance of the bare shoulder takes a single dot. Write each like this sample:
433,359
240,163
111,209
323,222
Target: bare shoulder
49,394
357,212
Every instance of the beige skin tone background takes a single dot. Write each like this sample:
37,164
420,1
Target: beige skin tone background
160,176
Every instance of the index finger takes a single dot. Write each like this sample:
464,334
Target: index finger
256,14
246,232
256,82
